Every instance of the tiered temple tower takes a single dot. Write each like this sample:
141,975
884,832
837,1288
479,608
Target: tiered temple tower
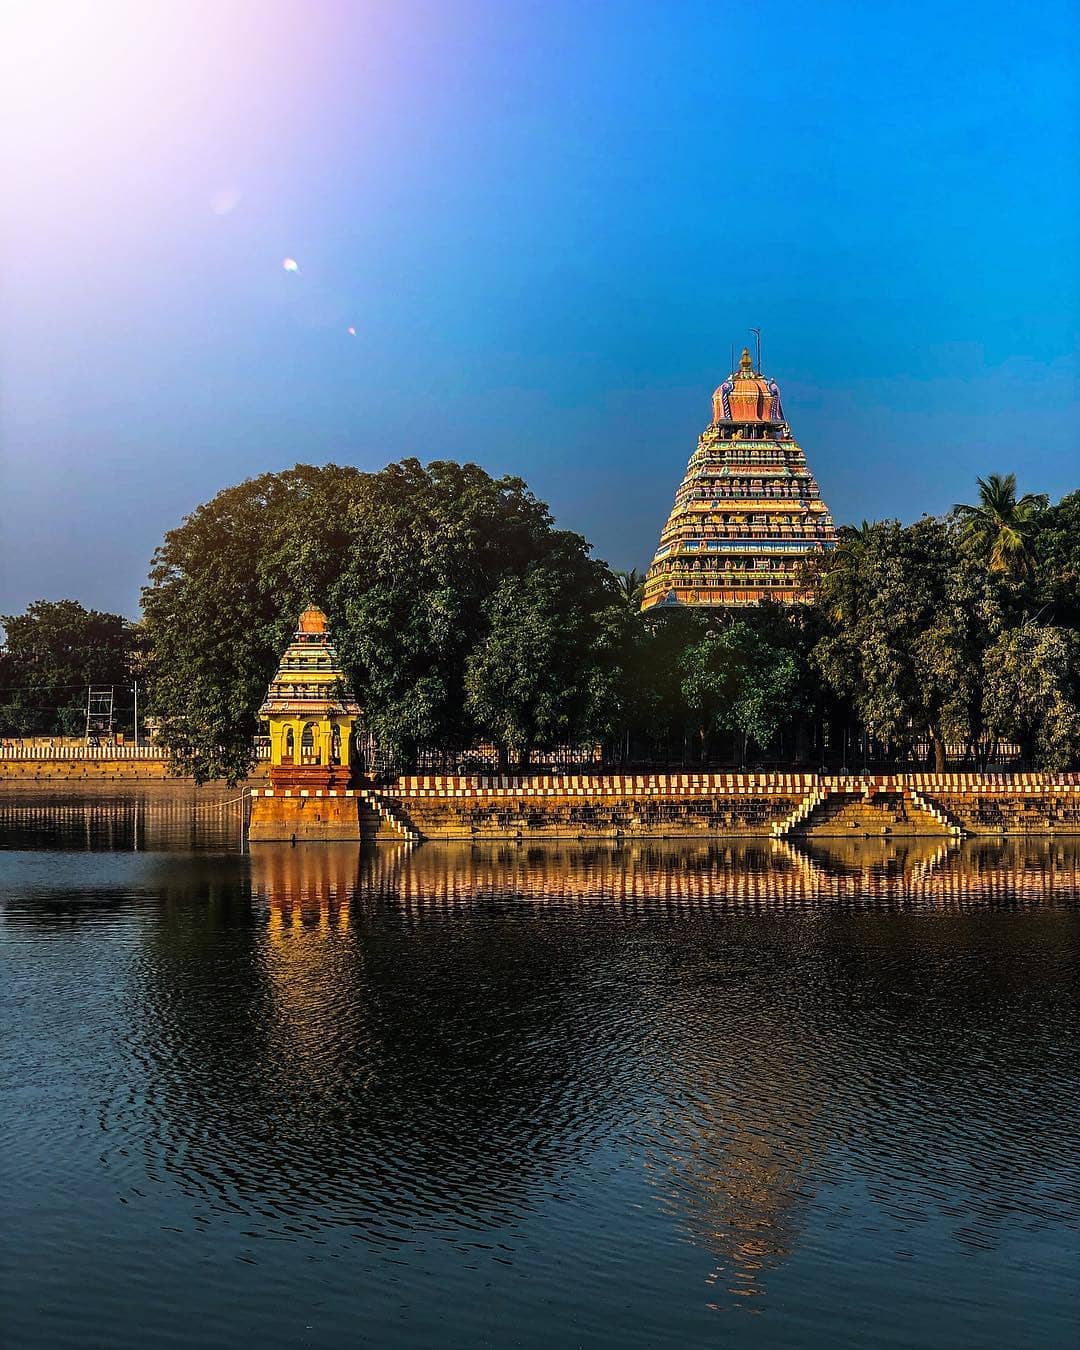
748,512
311,712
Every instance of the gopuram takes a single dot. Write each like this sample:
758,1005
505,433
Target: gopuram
748,512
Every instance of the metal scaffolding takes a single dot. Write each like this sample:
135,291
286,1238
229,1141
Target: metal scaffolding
99,713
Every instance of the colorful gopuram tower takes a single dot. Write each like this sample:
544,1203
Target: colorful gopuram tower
311,711
748,512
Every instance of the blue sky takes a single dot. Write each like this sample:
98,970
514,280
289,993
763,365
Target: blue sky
547,224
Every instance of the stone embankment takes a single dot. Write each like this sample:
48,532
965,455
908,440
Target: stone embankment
748,805
83,764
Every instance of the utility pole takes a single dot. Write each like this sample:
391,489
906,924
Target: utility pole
136,714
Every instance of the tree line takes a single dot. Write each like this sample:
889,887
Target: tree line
463,615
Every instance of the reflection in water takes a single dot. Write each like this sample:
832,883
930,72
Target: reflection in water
747,1111
768,874
104,817
555,1095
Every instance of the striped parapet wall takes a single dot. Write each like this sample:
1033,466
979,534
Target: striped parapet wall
581,806
85,763
43,763
576,806
1005,803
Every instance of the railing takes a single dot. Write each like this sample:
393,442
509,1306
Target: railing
80,752
94,752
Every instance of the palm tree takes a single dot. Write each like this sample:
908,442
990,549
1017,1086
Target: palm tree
841,567
631,585
1000,527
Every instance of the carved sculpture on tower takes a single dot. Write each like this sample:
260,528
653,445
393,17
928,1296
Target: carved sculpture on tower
748,512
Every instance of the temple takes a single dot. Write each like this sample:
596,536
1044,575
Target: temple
311,712
748,512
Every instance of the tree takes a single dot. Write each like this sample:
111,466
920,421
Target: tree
1032,677
1056,549
657,714
907,619
225,589
52,653
532,679
736,680
631,588
999,529
404,561
429,547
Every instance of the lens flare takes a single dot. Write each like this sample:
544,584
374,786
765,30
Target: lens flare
290,265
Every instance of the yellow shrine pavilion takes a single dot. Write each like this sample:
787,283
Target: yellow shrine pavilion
310,710
748,512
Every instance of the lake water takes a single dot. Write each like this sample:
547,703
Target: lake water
729,1094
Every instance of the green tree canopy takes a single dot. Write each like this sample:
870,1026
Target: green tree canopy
52,652
1056,549
908,619
736,679
544,669
462,614
631,588
406,562
1033,692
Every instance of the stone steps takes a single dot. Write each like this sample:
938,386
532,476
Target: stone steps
848,813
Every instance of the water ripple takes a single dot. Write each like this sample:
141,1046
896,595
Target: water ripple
571,1095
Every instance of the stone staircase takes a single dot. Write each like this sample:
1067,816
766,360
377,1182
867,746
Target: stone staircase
867,807
802,812
390,815
944,819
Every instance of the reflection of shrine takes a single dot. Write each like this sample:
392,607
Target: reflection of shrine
307,885
736,1143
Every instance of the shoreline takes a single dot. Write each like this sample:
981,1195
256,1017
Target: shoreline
577,807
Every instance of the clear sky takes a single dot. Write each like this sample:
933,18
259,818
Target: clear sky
547,223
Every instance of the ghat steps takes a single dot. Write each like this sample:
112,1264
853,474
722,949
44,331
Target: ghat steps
659,805
847,813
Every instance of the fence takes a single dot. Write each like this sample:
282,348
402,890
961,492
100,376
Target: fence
94,752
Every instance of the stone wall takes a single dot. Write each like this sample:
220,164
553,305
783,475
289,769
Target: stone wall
280,817
97,767
680,805
687,805
1030,803
570,806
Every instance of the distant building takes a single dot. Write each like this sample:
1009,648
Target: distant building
748,512
311,711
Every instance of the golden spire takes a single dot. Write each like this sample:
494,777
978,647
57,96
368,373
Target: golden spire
746,366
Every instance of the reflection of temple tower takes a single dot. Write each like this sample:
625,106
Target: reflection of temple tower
310,710
737,1165
748,512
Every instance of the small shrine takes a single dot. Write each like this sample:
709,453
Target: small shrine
311,712
748,513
